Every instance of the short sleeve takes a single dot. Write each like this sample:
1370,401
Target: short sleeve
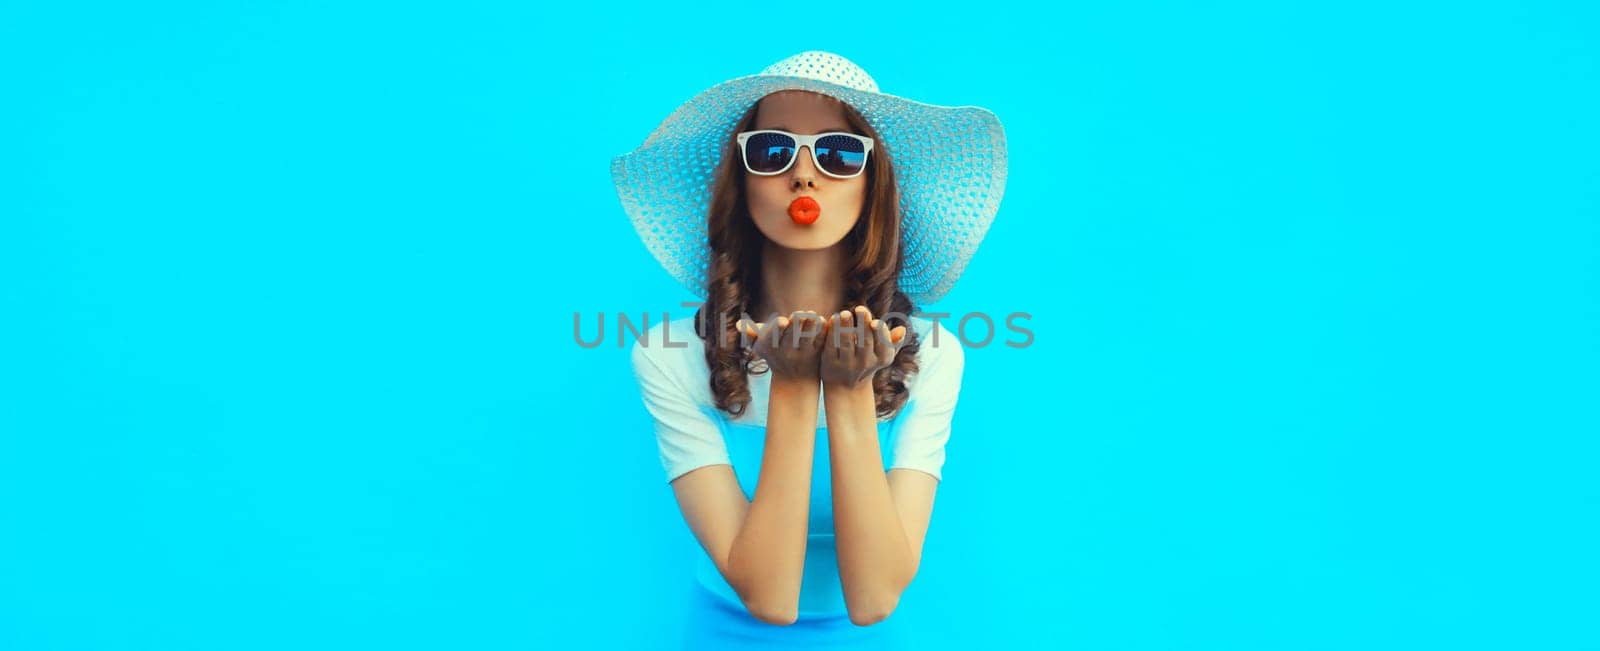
932,404
686,437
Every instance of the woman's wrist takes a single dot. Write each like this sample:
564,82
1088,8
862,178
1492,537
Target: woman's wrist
844,393
795,384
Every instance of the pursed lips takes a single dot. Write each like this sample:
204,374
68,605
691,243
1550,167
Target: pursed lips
804,210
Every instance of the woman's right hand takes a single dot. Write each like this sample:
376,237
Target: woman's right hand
791,345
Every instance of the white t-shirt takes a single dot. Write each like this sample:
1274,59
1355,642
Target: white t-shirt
691,433
690,430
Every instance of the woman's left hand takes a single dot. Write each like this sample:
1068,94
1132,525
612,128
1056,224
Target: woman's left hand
855,346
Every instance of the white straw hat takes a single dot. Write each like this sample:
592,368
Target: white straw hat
949,161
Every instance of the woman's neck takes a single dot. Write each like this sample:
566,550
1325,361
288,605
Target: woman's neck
794,280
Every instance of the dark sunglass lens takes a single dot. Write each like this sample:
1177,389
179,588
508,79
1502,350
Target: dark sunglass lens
841,155
769,152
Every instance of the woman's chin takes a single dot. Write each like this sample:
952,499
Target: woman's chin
804,241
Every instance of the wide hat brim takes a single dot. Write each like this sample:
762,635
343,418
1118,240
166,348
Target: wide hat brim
950,164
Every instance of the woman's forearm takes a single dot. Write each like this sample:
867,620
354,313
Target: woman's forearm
874,554
768,556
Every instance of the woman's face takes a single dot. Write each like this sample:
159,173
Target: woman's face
769,197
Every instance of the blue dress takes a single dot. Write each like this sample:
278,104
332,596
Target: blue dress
691,432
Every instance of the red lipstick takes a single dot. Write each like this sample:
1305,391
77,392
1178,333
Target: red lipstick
804,210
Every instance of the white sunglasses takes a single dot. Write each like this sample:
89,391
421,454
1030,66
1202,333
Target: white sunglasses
838,154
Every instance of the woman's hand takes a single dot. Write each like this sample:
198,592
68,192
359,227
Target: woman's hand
857,346
791,345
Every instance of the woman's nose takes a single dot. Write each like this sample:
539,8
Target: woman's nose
804,173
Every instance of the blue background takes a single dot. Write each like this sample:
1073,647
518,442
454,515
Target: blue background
287,296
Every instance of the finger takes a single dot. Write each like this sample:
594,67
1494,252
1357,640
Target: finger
848,331
885,342
835,336
865,347
819,332
897,335
878,339
810,323
768,335
798,326
790,325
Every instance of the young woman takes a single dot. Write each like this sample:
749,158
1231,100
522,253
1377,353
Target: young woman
812,214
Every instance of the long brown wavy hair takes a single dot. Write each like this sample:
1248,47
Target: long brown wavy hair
874,256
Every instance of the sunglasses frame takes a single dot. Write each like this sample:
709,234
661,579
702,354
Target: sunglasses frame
810,143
